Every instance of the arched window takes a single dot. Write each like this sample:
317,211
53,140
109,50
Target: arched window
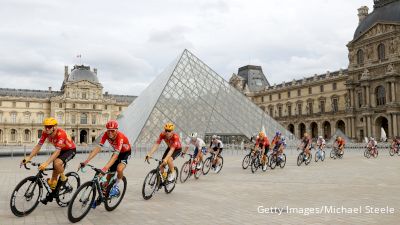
381,51
84,118
1,135
380,95
360,57
13,135
27,136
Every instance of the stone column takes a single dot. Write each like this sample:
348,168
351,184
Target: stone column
363,96
369,133
297,130
393,92
367,96
352,100
353,128
390,127
394,122
387,92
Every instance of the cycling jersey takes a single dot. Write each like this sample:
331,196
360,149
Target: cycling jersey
61,141
262,142
274,140
321,142
306,141
120,143
216,144
172,142
341,142
198,143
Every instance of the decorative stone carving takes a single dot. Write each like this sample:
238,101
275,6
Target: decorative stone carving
369,51
390,69
351,56
365,75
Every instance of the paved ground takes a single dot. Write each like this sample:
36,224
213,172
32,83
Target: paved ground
235,195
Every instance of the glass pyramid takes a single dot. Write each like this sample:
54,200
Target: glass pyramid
196,99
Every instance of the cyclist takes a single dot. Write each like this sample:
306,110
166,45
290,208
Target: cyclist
281,146
217,146
262,143
65,150
340,144
321,143
396,143
119,159
200,148
306,145
173,150
372,144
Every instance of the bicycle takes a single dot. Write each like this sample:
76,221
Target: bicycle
277,160
190,168
247,159
34,191
370,151
302,158
319,154
155,182
208,163
335,153
85,197
394,149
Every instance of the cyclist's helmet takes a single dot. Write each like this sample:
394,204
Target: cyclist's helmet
112,125
50,121
305,134
283,139
193,136
261,134
371,139
214,137
278,133
320,137
169,126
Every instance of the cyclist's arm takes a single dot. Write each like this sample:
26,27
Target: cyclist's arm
114,158
186,149
35,151
93,153
53,156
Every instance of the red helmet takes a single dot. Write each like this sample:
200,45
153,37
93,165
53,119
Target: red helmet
112,125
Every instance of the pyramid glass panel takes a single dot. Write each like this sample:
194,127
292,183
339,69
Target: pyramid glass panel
196,99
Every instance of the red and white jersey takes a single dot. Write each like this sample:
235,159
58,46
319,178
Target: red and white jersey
264,141
174,141
62,141
119,144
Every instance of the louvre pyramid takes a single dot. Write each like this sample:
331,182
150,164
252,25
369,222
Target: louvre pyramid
196,99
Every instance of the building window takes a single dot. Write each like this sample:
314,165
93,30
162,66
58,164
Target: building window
270,97
298,92
73,119
321,88
360,57
60,105
27,117
13,135
120,108
299,110
322,105
1,135
271,112
13,117
14,104
27,104
39,133
27,136
73,105
279,96
94,106
93,119
105,107
105,118
310,108
83,118
288,94
335,107
262,99
334,86
40,118
289,108
84,95
309,90
360,101
381,51
380,96
1,117
1,103
280,111
60,118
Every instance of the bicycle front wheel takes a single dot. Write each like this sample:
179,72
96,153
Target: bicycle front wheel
185,172
246,162
391,151
25,197
207,165
300,159
219,165
170,185
67,189
150,184
112,202
81,202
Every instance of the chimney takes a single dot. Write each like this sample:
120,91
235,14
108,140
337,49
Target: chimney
362,13
65,73
50,89
95,70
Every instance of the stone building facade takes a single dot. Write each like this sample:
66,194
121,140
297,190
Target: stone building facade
362,100
80,107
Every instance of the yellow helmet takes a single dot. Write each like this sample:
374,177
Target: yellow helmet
50,121
261,134
169,126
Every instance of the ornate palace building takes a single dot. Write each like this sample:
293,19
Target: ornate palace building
80,107
359,101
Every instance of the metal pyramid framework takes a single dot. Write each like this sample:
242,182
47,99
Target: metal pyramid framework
196,99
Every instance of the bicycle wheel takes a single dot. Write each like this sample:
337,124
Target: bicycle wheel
185,171
207,165
199,170
25,197
283,161
322,155
340,155
391,151
254,164
265,165
170,185
316,156
67,189
246,162
81,202
365,153
308,159
300,159
219,165
376,153
150,184
112,202
332,154
273,162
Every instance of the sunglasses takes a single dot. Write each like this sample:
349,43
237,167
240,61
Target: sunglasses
48,127
168,131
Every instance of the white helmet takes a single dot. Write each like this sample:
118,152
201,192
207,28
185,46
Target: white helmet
283,138
320,137
371,139
193,135
214,137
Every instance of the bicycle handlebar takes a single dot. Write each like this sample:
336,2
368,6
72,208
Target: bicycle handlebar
95,169
147,159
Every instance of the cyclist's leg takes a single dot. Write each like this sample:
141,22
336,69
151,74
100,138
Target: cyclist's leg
196,154
123,162
171,159
163,157
60,162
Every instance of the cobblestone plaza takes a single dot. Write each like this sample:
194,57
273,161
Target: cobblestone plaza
236,196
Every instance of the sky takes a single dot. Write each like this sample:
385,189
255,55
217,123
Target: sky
130,42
